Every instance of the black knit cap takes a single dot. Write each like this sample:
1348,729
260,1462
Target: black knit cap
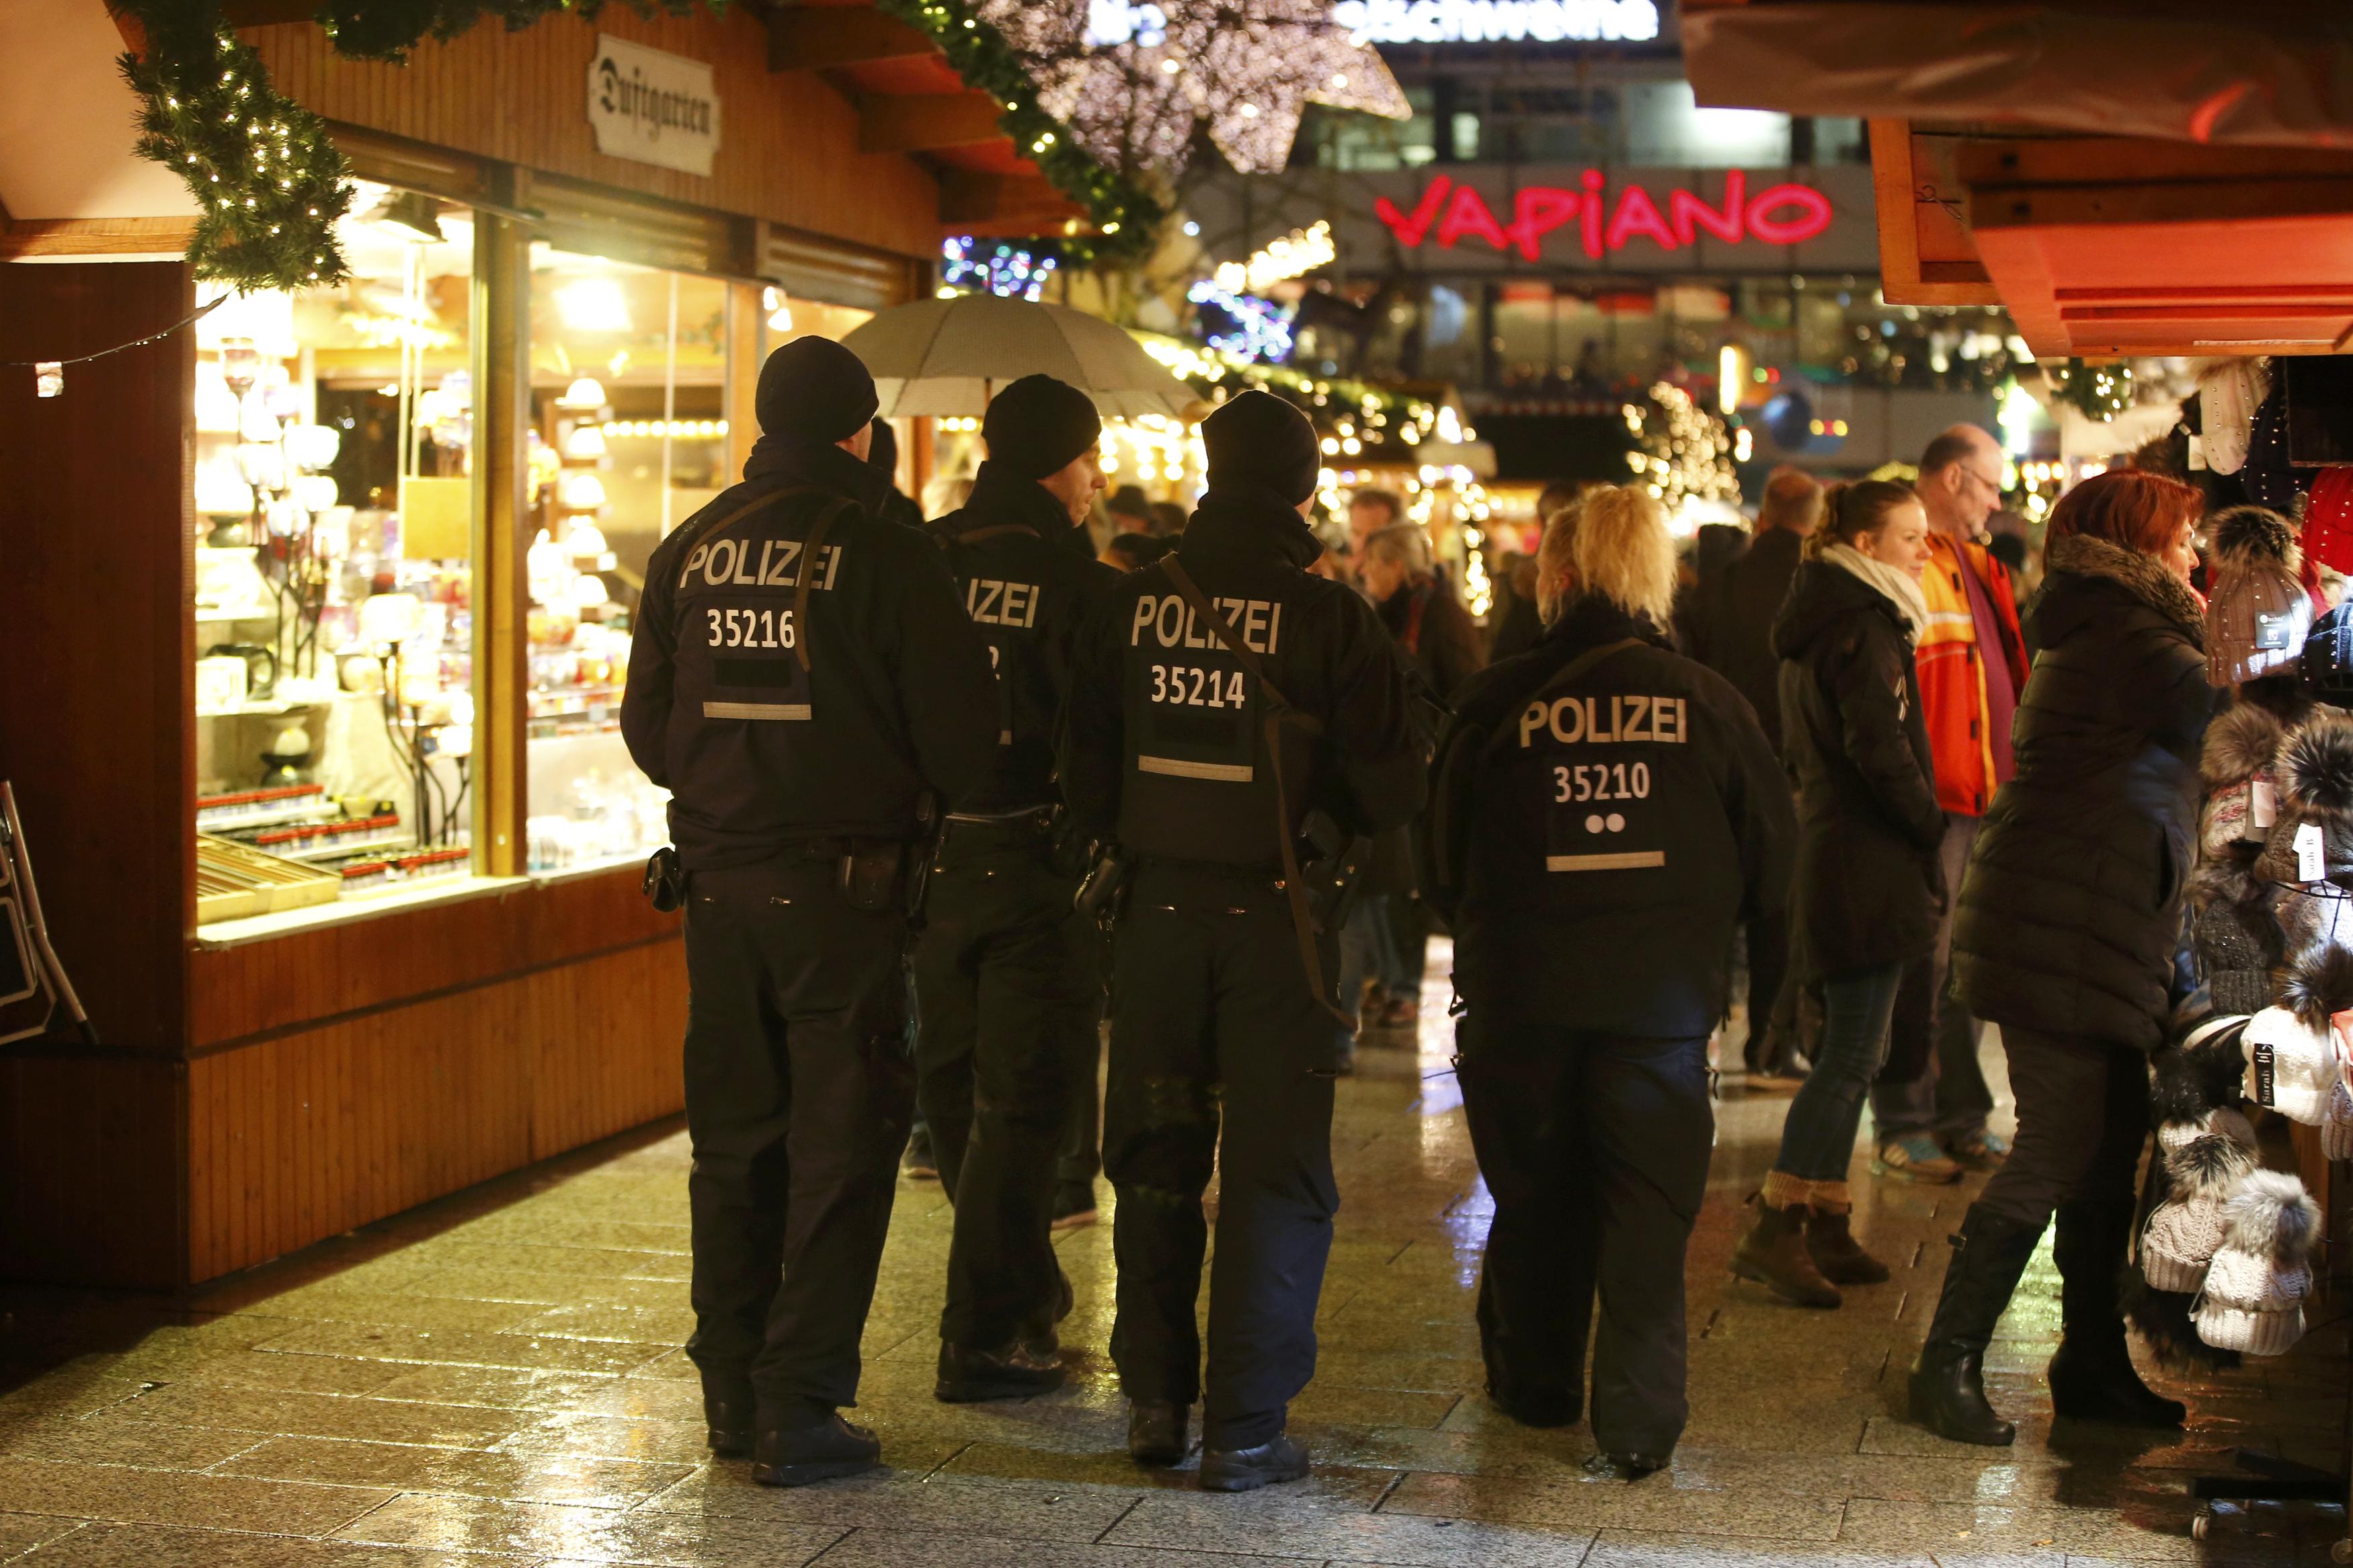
813,389
1258,439
1039,425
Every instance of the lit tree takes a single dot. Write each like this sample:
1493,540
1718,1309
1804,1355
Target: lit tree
1132,82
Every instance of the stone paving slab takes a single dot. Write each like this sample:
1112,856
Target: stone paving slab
497,1381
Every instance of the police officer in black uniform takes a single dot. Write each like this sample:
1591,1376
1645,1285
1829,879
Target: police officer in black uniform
1007,988
1220,992
804,682
1604,812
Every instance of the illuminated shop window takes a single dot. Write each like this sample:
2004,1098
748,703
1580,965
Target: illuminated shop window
629,436
334,491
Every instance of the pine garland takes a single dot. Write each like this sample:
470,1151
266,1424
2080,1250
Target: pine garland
1127,218
269,181
2098,392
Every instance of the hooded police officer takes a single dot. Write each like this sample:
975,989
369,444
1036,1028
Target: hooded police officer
1219,696
803,682
1007,987
1603,813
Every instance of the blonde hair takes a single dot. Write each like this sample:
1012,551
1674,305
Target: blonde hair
1613,543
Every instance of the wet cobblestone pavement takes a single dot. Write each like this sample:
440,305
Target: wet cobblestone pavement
496,1380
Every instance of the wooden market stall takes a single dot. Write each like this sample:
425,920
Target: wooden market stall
546,358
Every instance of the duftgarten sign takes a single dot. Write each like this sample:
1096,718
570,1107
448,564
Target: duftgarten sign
1605,221
652,107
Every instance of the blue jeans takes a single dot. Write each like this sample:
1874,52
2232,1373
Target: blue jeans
1817,1138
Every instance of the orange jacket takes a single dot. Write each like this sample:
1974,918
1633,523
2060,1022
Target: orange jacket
1952,674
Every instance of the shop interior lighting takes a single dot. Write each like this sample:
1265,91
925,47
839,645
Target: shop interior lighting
780,312
582,492
586,540
593,305
588,590
388,620
585,393
664,429
586,444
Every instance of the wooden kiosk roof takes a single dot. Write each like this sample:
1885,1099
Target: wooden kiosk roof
2157,178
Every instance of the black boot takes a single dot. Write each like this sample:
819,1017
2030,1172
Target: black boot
1989,1253
1270,1463
1155,1433
730,1415
1014,1371
797,1445
2092,1376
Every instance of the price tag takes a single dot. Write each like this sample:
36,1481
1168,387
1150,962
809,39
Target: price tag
2262,807
2311,858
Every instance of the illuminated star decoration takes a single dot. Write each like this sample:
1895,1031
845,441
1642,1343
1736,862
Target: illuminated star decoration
1132,81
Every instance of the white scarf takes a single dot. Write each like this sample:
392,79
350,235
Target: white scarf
1900,587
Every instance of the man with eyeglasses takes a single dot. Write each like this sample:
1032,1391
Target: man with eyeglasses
1930,1103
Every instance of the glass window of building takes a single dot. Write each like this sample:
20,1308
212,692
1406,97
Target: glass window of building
629,436
334,491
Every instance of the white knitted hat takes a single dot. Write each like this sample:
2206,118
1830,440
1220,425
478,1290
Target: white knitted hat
2255,1286
2188,1228
2291,1067
2223,1121
2337,1133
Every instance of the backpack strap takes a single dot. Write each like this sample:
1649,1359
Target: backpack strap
1278,713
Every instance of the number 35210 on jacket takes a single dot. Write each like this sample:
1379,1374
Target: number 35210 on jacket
1598,828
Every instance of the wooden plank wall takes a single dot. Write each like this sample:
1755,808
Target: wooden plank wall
303,1135
95,558
309,977
93,1168
96,555
789,144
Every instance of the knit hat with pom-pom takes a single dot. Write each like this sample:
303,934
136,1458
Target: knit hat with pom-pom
2257,614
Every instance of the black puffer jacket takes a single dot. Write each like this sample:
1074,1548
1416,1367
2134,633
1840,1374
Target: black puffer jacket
1734,634
1868,885
2070,910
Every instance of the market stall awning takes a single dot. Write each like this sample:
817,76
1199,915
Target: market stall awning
910,100
2162,178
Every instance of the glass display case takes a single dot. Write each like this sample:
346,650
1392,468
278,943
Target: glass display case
334,571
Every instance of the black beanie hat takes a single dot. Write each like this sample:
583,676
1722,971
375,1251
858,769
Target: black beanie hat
813,389
1039,426
1258,439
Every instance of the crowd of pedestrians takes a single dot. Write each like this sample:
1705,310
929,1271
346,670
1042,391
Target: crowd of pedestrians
1269,761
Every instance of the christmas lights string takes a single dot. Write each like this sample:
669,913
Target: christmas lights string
190,320
269,181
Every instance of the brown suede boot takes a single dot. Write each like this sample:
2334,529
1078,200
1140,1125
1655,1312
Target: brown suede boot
1830,1243
1774,1254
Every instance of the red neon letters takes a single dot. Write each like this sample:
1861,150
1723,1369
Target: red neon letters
1778,215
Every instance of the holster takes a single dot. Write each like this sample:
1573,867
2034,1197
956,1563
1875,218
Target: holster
665,884
1331,862
872,874
1104,890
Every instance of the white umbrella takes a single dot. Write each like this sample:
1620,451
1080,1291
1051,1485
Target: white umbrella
951,357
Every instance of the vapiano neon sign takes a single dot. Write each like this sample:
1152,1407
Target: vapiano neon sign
1778,215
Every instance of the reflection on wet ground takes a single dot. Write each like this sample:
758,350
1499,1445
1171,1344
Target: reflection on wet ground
496,1380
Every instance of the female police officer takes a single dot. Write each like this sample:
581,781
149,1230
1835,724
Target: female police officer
1604,812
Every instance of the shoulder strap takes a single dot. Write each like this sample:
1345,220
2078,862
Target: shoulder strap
1278,712
816,533
1190,592
943,538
